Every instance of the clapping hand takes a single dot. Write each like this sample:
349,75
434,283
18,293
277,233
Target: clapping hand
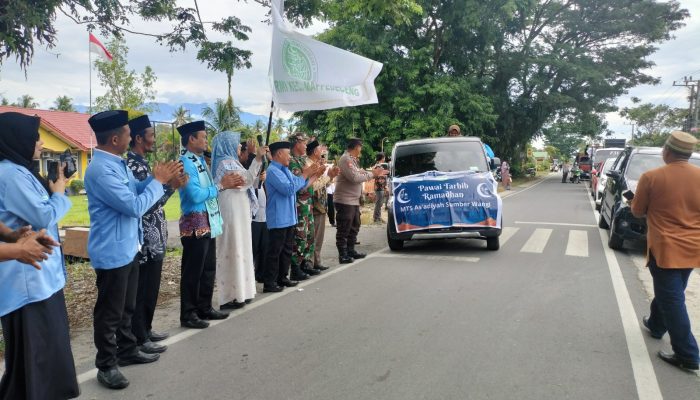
165,172
379,171
333,172
179,181
35,248
232,181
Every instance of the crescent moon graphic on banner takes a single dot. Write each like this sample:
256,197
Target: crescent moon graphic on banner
400,196
482,191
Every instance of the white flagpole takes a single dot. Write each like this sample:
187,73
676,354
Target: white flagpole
90,89
90,74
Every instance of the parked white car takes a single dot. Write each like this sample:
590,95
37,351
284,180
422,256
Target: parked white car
602,180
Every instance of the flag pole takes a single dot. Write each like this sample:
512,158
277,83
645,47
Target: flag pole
90,74
267,140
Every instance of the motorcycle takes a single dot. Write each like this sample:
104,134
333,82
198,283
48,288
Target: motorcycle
575,176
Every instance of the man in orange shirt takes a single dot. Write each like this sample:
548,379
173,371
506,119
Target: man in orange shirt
670,198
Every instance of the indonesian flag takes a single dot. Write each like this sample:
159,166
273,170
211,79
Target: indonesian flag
99,49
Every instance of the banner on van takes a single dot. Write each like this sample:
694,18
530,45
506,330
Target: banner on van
434,200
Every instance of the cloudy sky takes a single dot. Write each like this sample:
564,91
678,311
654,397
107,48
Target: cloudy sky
64,69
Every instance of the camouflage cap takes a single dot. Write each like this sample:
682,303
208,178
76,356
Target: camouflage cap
298,137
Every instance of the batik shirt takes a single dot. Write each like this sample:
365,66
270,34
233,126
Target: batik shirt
155,226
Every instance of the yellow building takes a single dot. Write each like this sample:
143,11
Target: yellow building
61,131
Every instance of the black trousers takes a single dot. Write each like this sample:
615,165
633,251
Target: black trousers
279,255
146,298
260,236
331,209
197,275
348,220
116,301
38,358
563,177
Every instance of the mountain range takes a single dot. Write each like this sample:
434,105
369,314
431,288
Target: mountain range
164,112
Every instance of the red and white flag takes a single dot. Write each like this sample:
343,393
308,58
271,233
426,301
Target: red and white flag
99,49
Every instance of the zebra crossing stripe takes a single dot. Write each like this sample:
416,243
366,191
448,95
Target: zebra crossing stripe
507,233
537,242
577,245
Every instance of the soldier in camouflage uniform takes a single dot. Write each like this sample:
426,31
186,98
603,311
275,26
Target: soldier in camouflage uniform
303,252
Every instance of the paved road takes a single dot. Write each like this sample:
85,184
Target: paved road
552,315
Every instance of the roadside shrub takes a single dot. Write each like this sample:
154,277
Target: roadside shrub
76,185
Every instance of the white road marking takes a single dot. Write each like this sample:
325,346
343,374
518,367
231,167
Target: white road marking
537,242
642,369
507,233
511,194
426,257
92,374
577,245
556,224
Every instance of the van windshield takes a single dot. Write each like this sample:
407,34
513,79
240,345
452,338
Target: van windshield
443,157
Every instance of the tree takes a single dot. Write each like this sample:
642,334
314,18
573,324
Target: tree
3,101
503,69
26,101
23,24
224,57
221,117
182,116
125,89
63,103
653,122
565,136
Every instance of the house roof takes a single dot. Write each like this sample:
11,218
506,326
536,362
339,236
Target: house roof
71,127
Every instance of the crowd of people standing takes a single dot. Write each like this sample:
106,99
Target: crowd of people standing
240,223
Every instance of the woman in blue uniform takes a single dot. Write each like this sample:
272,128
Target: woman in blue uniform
38,359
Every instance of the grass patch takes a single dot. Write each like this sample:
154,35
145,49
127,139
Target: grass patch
78,214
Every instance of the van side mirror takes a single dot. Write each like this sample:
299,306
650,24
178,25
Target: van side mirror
495,163
613,174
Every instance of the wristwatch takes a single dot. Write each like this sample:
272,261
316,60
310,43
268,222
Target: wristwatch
219,187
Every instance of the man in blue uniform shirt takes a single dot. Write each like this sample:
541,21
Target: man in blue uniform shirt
116,203
200,224
281,186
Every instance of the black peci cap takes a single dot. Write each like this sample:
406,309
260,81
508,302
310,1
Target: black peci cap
190,128
139,124
279,146
108,120
310,147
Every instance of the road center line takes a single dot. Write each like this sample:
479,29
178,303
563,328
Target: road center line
642,369
556,224
187,333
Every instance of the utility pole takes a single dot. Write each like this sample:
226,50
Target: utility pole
694,85
633,125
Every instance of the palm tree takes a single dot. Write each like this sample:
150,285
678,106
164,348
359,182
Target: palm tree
279,128
182,116
26,101
222,117
63,103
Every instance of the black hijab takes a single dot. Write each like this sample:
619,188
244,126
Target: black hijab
18,136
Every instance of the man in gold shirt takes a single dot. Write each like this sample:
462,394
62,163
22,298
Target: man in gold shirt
669,197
